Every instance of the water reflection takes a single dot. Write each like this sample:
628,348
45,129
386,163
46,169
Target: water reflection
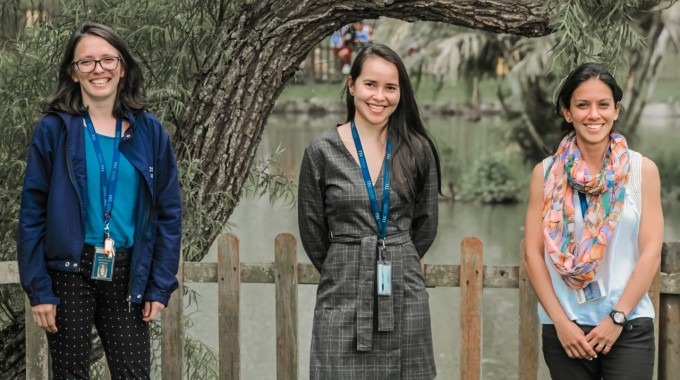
257,222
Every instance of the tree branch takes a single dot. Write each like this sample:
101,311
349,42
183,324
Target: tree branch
259,49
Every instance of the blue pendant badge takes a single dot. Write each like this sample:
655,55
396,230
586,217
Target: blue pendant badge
591,292
102,265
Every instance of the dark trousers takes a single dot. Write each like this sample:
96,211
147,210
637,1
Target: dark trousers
631,357
84,302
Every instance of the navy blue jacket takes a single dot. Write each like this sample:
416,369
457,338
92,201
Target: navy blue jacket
53,206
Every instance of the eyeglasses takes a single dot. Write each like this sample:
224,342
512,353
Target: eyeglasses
86,66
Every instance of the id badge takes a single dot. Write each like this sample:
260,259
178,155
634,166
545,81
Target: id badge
591,292
102,265
384,278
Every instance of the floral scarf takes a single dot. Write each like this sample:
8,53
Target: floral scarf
578,262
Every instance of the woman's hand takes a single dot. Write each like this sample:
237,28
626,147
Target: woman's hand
45,316
574,341
604,335
152,310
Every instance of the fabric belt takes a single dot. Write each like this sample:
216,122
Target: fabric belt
119,251
367,286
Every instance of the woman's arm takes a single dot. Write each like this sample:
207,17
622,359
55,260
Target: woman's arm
168,206
650,239
312,220
426,211
571,336
35,279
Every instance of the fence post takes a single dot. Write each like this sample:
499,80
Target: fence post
228,292
471,285
528,323
172,331
286,274
37,353
669,317
310,67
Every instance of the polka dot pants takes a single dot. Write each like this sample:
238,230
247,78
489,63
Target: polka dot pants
124,335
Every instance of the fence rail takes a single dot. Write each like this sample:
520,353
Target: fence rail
286,273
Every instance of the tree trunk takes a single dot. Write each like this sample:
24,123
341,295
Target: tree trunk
259,49
645,66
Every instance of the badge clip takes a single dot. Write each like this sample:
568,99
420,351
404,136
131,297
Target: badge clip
109,246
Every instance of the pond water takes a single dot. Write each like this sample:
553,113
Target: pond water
256,222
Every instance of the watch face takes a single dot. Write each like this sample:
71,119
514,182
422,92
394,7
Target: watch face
619,317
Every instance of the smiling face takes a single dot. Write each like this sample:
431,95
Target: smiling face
592,111
376,92
100,85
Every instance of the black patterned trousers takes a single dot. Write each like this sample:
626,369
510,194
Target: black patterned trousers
84,302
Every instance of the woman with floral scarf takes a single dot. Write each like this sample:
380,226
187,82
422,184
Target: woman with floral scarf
594,229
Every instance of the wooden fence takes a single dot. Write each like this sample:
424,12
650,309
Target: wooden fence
471,276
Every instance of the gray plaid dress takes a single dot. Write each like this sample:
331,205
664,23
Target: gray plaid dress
358,334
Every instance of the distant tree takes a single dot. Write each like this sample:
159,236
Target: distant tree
631,41
633,54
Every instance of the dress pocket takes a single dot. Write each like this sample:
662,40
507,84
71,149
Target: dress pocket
334,328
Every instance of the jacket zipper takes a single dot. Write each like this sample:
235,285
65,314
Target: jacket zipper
135,257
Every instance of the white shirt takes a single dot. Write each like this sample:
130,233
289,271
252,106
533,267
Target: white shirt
616,267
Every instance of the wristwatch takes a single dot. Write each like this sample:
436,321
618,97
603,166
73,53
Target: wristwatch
618,317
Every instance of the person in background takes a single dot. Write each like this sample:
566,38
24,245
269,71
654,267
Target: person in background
345,41
341,44
100,220
367,214
594,230
362,33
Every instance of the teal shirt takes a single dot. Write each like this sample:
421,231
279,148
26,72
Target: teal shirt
122,224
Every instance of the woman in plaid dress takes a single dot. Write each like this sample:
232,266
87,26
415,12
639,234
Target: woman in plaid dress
367,214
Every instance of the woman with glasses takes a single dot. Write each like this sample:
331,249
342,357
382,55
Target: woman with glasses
100,220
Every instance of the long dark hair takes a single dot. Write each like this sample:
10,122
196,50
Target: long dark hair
577,76
67,97
406,129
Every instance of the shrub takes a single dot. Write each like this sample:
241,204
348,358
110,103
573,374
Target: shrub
490,180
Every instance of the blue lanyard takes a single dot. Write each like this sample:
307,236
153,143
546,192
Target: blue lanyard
108,190
380,218
584,204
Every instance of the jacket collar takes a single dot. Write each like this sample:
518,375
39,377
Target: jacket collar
70,120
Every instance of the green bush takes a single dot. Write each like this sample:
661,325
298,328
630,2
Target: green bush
490,180
668,163
451,168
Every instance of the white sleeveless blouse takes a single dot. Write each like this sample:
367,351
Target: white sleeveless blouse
616,267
